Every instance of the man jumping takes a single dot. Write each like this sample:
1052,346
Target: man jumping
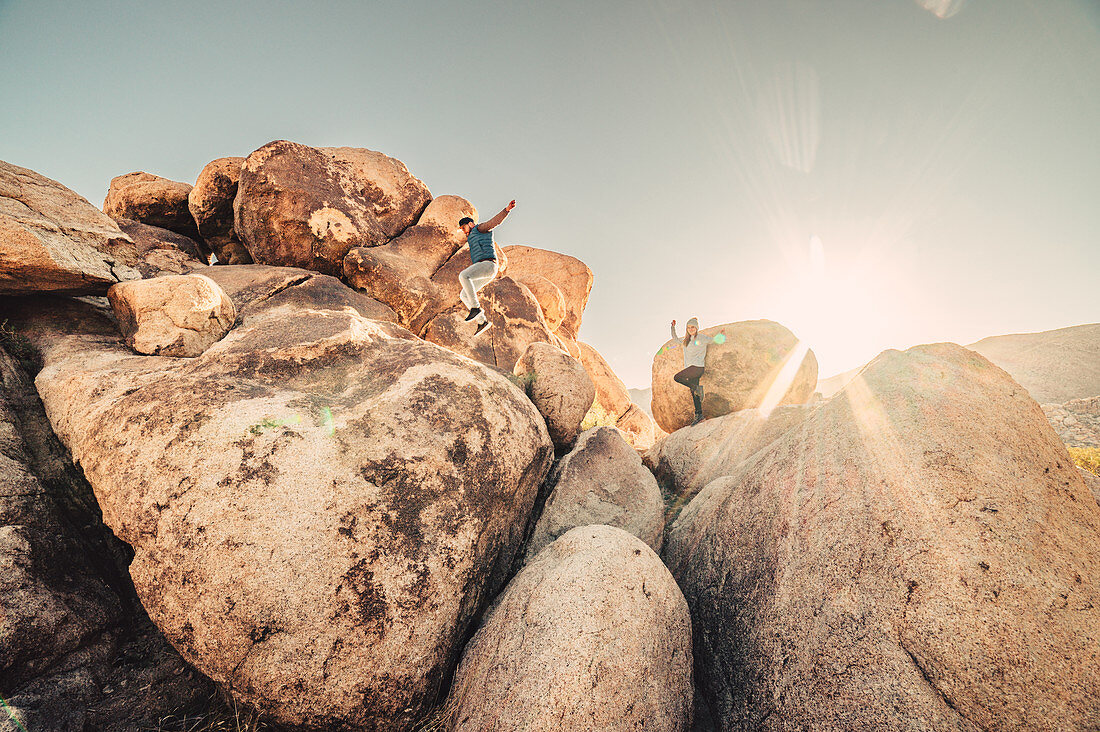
484,268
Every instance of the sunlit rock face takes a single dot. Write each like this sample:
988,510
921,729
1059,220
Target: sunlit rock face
570,275
920,553
54,240
753,363
593,634
690,458
301,206
319,504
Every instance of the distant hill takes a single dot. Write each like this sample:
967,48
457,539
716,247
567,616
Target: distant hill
1055,366
830,386
643,398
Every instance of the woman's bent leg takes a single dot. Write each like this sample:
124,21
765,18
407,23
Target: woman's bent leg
689,377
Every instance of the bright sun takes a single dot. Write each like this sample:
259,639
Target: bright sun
839,309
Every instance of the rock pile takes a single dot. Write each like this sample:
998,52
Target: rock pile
374,486
346,513
362,216
600,481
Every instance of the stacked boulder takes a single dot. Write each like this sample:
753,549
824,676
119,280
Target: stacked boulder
56,242
319,504
750,364
321,494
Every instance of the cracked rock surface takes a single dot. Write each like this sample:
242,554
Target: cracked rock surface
920,553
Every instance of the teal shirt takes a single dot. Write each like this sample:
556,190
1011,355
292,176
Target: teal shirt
481,245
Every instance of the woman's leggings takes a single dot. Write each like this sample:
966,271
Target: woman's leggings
689,377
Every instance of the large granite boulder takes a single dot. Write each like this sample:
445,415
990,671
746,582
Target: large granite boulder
211,205
600,481
174,315
158,251
572,277
307,207
400,273
559,387
513,311
745,368
152,200
593,634
319,505
52,240
919,554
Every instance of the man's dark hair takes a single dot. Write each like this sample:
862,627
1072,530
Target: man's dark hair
465,220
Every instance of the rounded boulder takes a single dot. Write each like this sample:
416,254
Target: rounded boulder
559,387
174,315
592,634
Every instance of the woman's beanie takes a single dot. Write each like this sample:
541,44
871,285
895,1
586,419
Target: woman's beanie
693,322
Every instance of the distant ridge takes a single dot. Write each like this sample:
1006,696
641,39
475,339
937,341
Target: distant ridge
643,398
1055,366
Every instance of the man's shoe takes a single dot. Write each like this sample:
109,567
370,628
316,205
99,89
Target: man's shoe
482,328
698,419
474,312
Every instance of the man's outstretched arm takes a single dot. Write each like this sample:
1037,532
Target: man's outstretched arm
498,219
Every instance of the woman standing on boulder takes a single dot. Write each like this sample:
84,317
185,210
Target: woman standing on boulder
483,254
695,356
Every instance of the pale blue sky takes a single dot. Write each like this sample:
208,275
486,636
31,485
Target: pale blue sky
687,151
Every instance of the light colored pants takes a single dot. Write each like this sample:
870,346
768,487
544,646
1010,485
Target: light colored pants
472,279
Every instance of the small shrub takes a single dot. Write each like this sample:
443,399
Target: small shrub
524,381
597,417
1087,458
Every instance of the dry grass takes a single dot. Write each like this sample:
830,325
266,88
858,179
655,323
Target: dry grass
1087,458
597,417
221,715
